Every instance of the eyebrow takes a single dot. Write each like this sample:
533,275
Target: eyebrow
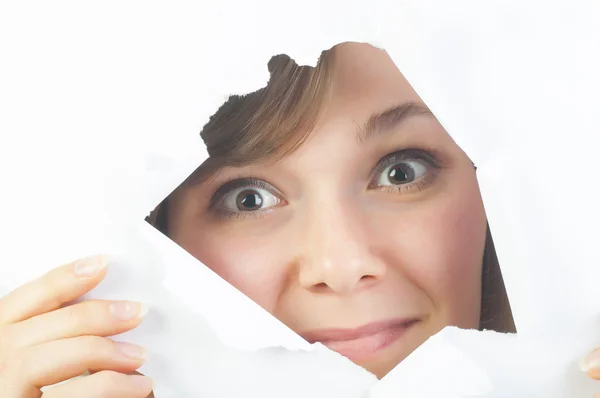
378,123
391,118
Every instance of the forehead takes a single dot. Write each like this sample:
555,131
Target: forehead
365,83
366,80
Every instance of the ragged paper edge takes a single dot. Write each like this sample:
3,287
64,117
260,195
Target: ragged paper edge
456,374
305,52
260,330
168,172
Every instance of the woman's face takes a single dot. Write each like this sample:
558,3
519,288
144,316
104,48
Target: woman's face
369,238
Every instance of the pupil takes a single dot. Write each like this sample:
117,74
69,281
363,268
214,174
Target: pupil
400,175
249,201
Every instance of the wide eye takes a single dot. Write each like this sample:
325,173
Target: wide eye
406,171
402,172
248,199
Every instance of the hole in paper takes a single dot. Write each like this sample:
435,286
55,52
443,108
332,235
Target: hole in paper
335,200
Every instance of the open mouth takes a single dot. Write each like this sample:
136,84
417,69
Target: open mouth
362,343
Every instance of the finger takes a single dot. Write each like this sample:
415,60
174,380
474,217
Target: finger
591,364
50,291
133,373
93,317
103,384
51,363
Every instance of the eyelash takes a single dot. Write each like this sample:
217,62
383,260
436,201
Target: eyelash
428,156
241,182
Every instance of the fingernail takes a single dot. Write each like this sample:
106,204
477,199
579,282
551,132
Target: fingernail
142,382
591,363
89,266
131,350
128,310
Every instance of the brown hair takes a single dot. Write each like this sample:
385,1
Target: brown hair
270,123
274,121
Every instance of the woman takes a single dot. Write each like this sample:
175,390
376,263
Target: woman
332,197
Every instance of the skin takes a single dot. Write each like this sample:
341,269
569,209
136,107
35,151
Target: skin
336,252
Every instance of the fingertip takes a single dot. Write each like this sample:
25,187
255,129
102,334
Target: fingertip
142,383
90,267
591,365
144,309
103,261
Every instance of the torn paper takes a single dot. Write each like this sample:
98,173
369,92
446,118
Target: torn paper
482,89
521,96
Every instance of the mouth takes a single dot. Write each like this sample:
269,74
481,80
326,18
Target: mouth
362,343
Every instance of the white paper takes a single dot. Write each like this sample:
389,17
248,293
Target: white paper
104,105
102,109
521,100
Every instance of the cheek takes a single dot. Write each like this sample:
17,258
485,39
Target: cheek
244,261
438,246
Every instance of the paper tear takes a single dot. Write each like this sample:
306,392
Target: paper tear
172,360
437,368
198,288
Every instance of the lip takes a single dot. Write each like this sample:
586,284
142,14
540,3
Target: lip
361,343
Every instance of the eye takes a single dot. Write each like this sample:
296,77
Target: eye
249,199
403,172
245,197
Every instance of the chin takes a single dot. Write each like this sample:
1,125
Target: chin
381,370
386,362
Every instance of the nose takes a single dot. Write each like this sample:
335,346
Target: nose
337,253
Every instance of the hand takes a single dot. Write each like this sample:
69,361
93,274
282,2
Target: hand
44,341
